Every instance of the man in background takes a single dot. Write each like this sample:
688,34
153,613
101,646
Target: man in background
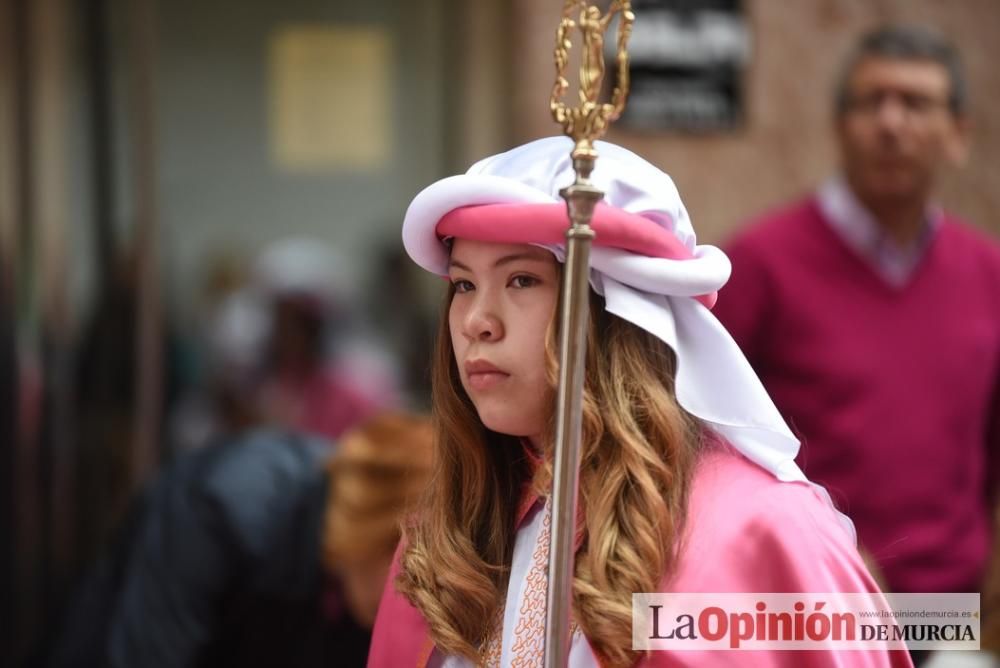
873,319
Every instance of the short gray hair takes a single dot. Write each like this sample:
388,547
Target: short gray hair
902,42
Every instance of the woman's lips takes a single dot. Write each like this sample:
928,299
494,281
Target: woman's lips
484,375
485,380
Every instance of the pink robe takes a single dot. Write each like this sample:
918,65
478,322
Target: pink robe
746,532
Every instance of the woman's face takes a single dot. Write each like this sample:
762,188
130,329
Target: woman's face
505,297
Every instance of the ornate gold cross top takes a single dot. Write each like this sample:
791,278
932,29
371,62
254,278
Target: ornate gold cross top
590,120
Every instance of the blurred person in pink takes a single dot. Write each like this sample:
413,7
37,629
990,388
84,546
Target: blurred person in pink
873,318
285,346
314,377
687,480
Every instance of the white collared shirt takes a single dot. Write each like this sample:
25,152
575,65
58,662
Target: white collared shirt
856,225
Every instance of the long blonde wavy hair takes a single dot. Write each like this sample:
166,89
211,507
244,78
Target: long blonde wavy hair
638,449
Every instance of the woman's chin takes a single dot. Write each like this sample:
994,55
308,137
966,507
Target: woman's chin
505,422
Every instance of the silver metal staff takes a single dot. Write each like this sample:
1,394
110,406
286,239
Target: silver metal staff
584,124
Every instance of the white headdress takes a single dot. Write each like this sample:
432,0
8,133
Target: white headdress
665,296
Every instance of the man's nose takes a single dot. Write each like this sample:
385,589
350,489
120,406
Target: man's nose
892,113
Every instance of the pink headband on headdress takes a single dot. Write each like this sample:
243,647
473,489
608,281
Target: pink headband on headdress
546,223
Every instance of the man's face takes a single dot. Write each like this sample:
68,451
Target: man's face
898,129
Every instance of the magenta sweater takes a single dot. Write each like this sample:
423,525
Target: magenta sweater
895,392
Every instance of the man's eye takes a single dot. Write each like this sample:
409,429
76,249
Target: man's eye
462,285
919,103
523,281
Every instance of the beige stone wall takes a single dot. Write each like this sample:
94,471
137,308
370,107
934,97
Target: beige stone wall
785,146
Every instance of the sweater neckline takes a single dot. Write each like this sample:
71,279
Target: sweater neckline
916,276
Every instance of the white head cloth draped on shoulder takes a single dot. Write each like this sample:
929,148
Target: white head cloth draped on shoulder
514,197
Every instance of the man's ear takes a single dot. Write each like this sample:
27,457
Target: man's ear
957,145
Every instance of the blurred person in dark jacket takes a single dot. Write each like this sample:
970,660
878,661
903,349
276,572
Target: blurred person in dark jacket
264,550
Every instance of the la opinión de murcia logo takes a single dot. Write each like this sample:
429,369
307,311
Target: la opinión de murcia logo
805,621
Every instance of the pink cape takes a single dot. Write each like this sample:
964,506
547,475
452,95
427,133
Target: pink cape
746,532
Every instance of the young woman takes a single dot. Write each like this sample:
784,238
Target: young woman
687,479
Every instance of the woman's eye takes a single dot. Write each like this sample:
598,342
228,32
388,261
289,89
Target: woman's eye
462,285
522,281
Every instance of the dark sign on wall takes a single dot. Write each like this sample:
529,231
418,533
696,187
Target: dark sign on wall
687,63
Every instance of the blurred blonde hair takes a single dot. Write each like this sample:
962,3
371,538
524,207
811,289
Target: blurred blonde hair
638,451
375,475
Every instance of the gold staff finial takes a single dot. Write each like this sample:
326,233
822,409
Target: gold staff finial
589,121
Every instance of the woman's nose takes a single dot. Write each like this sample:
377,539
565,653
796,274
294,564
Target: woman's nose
483,322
